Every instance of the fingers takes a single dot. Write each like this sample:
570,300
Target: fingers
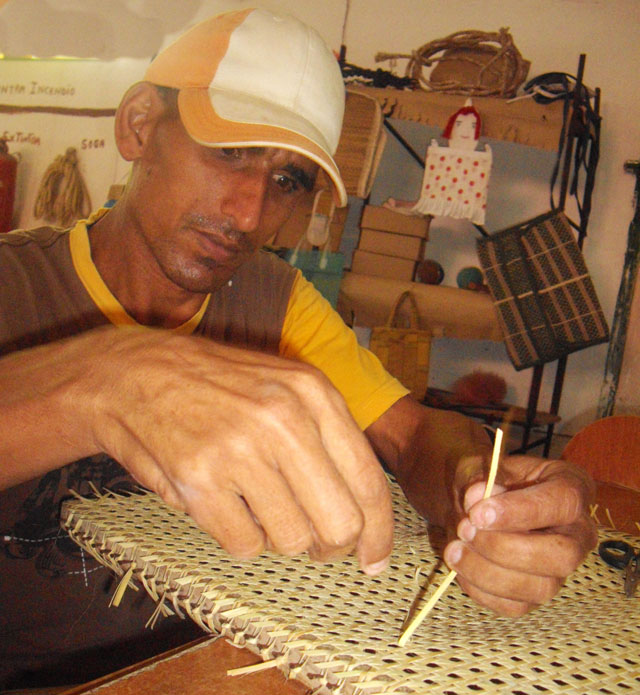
364,477
227,519
259,450
543,553
506,607
347,501
337,479
507,590
317,486
559,499
376,540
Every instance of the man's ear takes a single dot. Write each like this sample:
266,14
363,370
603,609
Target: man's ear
138,110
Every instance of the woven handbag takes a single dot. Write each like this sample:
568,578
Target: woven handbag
404,352
541,288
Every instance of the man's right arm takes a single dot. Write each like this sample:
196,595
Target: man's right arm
259,450
44,408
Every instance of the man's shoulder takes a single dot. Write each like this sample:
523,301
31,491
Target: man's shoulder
272,259
41,237
267,264
32,250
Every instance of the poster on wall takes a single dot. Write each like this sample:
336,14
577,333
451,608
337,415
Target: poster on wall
63,109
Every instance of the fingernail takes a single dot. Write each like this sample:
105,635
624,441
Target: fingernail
466,530
376,567
454,553
472,496
485,517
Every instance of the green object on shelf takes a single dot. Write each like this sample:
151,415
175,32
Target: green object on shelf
322,268
470,278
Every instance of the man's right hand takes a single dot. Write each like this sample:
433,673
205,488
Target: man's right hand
260,451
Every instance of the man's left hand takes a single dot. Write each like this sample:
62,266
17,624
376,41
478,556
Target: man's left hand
515,549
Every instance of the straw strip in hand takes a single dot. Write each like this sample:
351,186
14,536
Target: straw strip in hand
425,610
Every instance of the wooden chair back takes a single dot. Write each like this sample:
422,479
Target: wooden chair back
609,449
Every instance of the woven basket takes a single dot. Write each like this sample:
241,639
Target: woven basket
404,351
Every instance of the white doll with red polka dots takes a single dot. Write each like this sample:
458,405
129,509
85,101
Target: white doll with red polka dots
456,177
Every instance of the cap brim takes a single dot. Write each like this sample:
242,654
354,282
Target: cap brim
205,126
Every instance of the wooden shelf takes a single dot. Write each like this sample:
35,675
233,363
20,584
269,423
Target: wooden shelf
523,122
445,400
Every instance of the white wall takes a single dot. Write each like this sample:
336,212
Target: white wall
549,33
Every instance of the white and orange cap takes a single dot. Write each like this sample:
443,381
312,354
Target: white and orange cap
250,78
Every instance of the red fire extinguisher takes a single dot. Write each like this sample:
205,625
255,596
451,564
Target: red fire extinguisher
8,169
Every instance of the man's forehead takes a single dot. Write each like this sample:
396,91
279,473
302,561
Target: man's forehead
285,156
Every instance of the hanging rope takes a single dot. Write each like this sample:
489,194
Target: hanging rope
63,196
498,65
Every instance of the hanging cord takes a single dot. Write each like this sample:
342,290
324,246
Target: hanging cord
63,196
355,75
585,156
347,8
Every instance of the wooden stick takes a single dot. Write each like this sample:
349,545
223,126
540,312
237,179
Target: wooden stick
424,611
493,468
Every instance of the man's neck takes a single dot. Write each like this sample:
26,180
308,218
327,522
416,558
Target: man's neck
137,283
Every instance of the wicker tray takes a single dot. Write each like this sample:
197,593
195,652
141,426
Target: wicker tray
336,630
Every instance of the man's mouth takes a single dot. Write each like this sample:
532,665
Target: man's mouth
218,246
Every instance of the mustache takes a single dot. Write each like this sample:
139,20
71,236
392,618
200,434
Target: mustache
218,227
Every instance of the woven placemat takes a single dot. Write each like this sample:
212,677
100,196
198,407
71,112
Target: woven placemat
336,630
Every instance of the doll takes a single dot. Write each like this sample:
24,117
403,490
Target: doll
456,175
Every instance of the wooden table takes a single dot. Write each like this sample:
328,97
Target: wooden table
198,668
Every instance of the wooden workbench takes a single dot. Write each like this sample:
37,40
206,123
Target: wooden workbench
199,668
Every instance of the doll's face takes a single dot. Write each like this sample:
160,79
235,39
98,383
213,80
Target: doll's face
463,133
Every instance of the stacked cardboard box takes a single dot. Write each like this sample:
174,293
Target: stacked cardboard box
390,243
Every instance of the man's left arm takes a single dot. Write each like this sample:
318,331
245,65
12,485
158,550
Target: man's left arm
513,551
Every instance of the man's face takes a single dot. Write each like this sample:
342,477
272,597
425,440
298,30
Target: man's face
204,211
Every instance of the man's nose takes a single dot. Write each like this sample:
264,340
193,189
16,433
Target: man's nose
245,198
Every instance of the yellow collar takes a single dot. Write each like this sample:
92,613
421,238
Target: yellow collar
98,290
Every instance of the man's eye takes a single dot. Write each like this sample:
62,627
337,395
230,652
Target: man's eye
232,152
286,183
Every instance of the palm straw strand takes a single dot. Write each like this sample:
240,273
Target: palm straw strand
424,611
608,513
122,587
260,666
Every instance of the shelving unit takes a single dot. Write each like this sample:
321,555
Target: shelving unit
569,127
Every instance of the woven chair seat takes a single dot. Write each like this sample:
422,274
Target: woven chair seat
336,630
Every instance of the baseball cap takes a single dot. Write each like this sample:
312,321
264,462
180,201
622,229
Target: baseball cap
250,78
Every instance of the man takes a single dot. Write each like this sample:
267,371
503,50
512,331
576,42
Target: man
249,404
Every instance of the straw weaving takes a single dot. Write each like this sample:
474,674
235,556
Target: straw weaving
361,143
541,288
336,630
